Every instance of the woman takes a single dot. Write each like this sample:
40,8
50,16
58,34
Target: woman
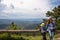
51,28
43,31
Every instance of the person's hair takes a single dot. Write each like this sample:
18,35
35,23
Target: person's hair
42,24
50,20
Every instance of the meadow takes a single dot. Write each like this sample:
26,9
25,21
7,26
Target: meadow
6,36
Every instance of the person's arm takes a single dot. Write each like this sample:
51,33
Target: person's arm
54,26
46,26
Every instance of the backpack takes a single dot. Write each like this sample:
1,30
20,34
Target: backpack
43,29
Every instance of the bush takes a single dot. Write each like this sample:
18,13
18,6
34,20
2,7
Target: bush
7,36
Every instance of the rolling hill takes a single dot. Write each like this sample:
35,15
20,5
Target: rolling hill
23,23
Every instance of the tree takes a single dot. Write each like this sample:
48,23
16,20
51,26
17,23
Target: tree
13,27
45,21
55,14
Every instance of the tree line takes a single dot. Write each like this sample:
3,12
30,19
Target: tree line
55,14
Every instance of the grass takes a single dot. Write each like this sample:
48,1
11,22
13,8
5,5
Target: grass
40,37
28,37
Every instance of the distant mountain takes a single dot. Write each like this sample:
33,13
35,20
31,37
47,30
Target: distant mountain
24,23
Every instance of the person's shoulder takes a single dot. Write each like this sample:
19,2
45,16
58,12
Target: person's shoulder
47,24
53,23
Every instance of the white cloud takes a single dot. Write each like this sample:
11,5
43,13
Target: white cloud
26,8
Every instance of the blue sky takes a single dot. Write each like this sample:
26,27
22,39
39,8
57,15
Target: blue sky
57,2
17,9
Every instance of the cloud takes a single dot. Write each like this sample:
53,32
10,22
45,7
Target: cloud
0,0
2,7
25,8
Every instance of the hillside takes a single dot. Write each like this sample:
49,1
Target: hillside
23,23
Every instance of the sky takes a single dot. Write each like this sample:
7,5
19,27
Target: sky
17,9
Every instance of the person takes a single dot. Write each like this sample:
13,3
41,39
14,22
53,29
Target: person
51,28
43,31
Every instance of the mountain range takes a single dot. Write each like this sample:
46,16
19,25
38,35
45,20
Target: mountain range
23,23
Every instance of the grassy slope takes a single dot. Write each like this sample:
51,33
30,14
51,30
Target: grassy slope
40,37
30,37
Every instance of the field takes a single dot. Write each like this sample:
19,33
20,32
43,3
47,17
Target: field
56,37
6,36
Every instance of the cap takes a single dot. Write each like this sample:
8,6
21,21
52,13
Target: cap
42,24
